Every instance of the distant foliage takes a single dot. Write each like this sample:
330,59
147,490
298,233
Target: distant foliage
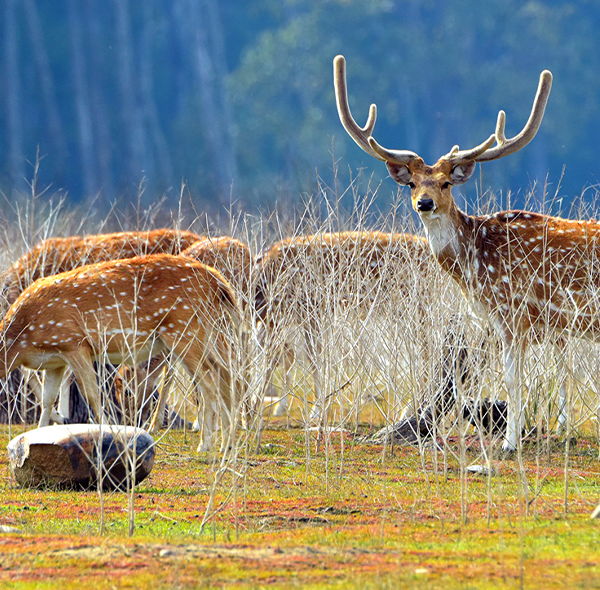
236,99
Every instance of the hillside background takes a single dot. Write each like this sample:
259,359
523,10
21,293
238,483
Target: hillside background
235,99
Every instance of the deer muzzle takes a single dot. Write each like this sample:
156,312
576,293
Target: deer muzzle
425,204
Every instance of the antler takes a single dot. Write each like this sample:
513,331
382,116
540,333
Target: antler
484,152
510,146
362,135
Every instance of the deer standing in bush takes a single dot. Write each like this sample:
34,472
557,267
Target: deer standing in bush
56,255
233,259
126,311
305,282
523,272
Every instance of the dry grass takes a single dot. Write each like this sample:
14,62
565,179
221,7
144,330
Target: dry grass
304,500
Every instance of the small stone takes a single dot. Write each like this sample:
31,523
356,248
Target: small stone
480,469
5,529
67,456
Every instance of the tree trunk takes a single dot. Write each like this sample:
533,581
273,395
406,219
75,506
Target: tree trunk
82,101
161,149
204,28
101,119
16,160
47,87
136,160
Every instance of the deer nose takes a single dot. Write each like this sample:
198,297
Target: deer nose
426,204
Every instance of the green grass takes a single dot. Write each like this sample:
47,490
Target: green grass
347,518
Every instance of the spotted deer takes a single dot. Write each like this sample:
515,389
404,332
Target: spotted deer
126,311
524,272
303,283
233,259
56,255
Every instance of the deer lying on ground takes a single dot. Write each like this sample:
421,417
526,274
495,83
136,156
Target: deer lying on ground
524,272
56,255
304,283
126,311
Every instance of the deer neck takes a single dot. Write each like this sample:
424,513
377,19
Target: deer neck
450,237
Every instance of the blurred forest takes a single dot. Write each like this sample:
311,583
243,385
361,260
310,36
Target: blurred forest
235,99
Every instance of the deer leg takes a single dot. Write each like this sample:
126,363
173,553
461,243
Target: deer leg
512,376
83,369
198,367
157,420
228,407
287,362
564,374
32,381
208,410
64,399
314,351
50,391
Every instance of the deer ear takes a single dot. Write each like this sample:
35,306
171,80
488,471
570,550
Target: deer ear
462,172
400,173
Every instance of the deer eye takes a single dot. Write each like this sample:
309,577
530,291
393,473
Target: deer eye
446,184
411,184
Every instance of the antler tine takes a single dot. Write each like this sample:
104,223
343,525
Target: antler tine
362,135
392,156
359,134
456,156
510,146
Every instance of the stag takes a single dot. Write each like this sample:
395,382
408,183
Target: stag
126,311
524,272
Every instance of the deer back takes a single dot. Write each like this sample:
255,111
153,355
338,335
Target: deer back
230,256
116,306
347,268
56,255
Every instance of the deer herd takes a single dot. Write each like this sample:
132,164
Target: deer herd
149,299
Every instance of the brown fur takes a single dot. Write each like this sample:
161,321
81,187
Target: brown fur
233,260
147,305
56,255
230,256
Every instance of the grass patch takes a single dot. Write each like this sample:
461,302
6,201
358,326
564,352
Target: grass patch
347,516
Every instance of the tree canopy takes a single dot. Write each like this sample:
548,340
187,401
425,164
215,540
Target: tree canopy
236,99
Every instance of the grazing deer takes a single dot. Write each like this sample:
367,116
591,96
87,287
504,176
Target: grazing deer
233,259
56,255
125,311
304,282
523,271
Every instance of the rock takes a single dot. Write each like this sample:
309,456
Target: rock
481,470
5,529
407,431
67,456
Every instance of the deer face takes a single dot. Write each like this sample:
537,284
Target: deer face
430,186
